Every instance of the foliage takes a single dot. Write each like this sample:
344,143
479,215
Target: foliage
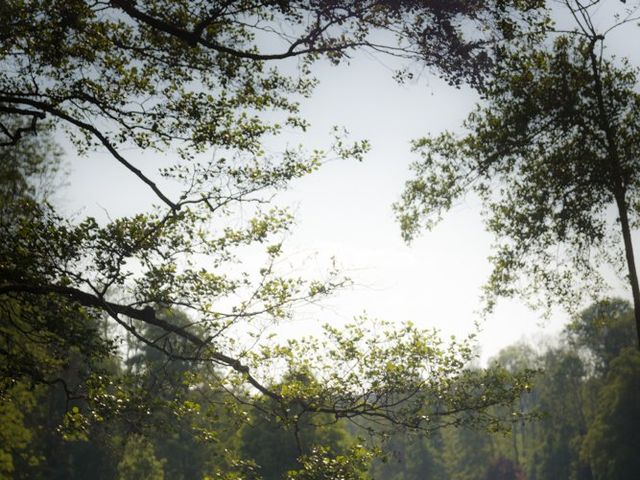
318,465
504,469
552,148
184,77
612,441
603,329
203,74
15,436
280,444
139,461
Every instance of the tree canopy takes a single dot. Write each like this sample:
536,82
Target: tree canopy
185,77
552,147
196,75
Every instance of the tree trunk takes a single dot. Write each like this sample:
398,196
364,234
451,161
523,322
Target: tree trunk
628,250
617,181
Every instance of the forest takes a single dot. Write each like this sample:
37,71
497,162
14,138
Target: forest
160,343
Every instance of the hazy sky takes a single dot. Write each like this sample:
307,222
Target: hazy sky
344,210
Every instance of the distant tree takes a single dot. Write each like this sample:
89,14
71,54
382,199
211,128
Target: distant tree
521,357
187,422
139,461
613,439
562,404
504,469
467,453
517,357
551,149
603,330
410,457
15,436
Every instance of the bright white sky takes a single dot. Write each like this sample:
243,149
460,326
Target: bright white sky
344,210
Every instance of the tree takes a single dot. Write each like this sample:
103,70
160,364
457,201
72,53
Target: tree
409,457
604,329
278,444
561,402
551,149
139,461
504,469
184,77
612,441
467,454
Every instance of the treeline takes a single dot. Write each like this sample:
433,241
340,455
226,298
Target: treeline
586,398
165,420
172,423
92,388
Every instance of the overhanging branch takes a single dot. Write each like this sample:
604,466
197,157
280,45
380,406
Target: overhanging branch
195,38
146,315
45,107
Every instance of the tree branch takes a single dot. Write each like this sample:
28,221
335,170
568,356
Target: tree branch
96,133
194,38
146,315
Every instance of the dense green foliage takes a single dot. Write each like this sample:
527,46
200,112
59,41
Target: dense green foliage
139,461
588,414
139,346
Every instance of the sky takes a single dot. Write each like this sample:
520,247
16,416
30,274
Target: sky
344,209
